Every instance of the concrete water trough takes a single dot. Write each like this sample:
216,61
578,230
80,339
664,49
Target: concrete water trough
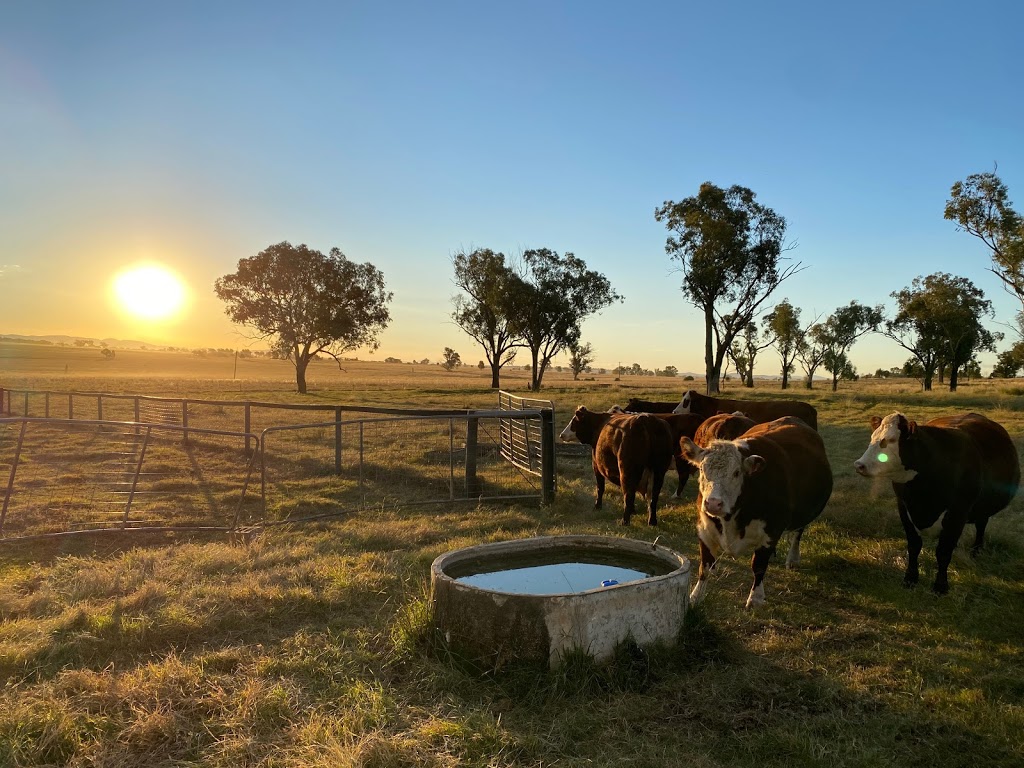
537,599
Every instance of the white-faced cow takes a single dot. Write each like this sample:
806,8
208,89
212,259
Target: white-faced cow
682,425
633,451
775,478
758,410
962,468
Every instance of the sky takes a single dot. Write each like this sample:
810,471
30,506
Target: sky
196,134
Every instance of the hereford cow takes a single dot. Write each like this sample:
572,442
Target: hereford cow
648,406
682,425
759,410
775,478
631,450
722,426
963,469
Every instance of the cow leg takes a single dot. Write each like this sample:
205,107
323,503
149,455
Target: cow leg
683,472
913,547
793,558
952,527
599,479
628,501
707,562
759,565
979,536
657,481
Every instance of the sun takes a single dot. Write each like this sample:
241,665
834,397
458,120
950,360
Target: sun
149,291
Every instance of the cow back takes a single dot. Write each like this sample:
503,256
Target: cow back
759,410
998,463
796,478
721,426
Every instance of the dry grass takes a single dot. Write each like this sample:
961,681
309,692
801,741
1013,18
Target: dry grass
306,647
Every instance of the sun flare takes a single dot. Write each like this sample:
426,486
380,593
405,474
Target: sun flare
149,291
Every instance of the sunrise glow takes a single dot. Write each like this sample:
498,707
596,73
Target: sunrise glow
149,292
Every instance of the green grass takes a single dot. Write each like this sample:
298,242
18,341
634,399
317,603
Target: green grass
309,646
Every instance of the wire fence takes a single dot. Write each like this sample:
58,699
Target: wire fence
172,463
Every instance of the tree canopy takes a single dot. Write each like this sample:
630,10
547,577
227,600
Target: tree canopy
307,303
783,327
730,250
487,307
980,205
556,294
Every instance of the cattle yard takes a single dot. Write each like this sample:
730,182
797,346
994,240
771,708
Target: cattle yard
309,645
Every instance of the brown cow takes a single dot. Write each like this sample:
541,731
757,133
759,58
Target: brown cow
631,450
775,478
759,410
722,426
633,405
682,425
963,469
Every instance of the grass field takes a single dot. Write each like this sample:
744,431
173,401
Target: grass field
309,646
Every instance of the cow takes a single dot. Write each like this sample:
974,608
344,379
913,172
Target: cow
961,468
634,405
633,451
682,425
722,426
773,479
758,410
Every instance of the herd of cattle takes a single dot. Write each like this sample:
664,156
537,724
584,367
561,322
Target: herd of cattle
763,470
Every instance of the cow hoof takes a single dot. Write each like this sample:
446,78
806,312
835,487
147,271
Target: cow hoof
940,589
752,603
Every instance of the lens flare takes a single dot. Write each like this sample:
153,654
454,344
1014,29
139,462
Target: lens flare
883,457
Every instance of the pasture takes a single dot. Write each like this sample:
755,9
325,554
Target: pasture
309,645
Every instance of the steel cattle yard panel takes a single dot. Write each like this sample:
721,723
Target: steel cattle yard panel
64,476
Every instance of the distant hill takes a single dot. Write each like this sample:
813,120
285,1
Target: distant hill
70,341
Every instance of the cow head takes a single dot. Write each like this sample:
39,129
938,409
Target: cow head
882,457
617,409
568,435
684,404
723,468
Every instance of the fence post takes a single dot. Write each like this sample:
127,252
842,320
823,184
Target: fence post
547,468
248,420
99,407
337,441
46,407
26,404
184,421
472,434
138,411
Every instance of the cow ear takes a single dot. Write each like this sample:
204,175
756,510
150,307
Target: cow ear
876,422
753,464
690,451
911,427
580,409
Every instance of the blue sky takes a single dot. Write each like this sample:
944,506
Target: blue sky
197,134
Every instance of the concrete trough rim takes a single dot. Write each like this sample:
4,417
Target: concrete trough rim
562,541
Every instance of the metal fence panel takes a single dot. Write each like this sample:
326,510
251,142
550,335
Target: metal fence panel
71,475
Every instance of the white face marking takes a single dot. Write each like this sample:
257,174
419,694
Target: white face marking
684,405
882,457
567,435
721,478
616,409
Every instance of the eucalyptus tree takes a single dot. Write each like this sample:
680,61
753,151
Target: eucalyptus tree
555,293
744,351
838,334
782,325
980,205
580,358
307,303
487,308
915,328
730,250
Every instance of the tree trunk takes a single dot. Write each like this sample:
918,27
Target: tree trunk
300,374
495,375
809,381
927,383
835,382
953,374
748,382
785,377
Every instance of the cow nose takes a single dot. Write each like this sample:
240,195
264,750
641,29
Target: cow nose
713,506
860,467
